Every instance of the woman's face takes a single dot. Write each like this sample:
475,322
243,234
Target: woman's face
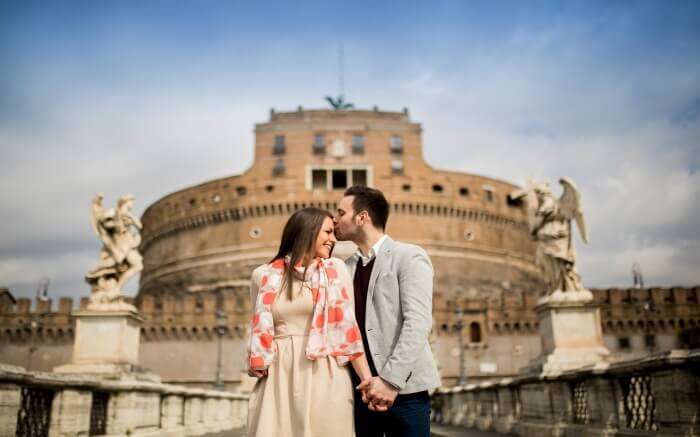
325,241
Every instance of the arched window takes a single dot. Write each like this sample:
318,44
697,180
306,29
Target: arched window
474,332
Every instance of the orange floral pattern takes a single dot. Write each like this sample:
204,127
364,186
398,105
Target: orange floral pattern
334,330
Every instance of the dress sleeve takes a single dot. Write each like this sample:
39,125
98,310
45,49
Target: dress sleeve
254,288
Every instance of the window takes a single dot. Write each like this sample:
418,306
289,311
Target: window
474,332
319,144
358,144
510,201
318,179
623,343
241,191
488,193
464,191
279,147
437,188
395,144
397,166
278,169
359,177
269,188
650,341
406,187
339,179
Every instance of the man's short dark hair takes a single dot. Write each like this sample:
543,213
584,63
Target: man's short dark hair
370,200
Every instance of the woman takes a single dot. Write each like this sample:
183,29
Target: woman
303,332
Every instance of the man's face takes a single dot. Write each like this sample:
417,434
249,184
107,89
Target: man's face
346,227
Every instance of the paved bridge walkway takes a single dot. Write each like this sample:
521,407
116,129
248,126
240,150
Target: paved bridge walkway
437,431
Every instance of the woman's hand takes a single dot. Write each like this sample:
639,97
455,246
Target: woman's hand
257,373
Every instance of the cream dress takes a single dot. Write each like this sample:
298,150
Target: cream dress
300,397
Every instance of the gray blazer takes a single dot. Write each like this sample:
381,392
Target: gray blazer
399,316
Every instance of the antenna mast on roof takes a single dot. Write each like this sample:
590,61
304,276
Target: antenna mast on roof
339,103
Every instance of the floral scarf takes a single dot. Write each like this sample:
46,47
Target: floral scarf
334,330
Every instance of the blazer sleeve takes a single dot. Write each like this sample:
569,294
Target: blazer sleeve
415,277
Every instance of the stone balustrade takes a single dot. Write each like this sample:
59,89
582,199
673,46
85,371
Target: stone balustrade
658,395
62,405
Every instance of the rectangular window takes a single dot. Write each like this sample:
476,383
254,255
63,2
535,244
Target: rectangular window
650,341
319,144
279,147
358,144
278,169
359,177
318,179
623,343
340,179
397,166
396,144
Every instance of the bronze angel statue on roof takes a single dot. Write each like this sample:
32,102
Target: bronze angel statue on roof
119,232
551,226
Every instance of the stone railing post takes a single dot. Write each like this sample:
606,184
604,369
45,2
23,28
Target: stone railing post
506,407
10,397
172,415
239,411
70,413
471,411
209,415
193,416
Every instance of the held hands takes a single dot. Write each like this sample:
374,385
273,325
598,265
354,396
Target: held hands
377,393
257,373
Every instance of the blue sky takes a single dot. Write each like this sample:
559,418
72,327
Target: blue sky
149,97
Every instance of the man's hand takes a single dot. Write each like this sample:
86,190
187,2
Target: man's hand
257,373
377,393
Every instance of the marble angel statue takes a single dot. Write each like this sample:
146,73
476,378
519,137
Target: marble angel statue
119,232
551,227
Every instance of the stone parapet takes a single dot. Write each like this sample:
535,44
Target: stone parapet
69,405
658,395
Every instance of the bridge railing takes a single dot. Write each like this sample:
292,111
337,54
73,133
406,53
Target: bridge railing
58,405
658,395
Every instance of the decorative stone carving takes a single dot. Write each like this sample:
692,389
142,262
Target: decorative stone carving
550,223
120,259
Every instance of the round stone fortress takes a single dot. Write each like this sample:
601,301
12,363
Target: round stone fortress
209,237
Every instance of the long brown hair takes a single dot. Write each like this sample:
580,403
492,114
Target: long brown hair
298,239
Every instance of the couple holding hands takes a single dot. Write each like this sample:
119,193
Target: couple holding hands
314,314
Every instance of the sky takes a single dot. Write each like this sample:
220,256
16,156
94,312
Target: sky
150,97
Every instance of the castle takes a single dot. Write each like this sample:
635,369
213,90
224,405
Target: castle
200,245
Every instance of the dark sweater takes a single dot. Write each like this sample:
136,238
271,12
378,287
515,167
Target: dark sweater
361,284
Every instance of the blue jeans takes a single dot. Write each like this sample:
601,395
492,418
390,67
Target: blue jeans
408,417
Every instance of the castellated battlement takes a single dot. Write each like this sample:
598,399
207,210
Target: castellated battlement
193,316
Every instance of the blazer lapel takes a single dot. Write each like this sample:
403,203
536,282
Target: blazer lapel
381,263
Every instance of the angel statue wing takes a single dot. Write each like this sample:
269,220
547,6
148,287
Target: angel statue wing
96,212
570,205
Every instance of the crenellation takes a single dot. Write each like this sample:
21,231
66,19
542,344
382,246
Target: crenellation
65,305
43,305
24,305
680,295
84,302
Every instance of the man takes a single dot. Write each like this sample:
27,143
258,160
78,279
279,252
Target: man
393,285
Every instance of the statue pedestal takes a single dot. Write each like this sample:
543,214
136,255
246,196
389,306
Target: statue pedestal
107,343
571,334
